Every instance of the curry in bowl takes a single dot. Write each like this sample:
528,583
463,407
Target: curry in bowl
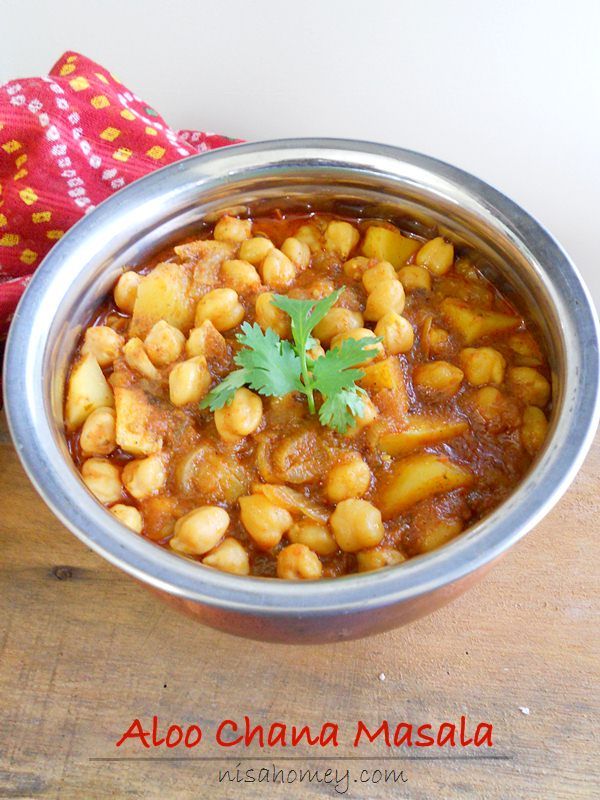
305,396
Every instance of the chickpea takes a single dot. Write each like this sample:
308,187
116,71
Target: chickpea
498,410
222,307
310,236
397,333
414,278
144,477
229,556
298,562
437,379
189,381
277,270
368,416
350,479
529,385
437,255
335,322
103,479
372,277
356,524
265,522
482,365
240,276
129,516
533,429
377,558
206,341
125,291
255,250
232,229
164,343
269,316
376,349
341,238
313,535
137,359
98,436
199,531
319,289
242,416
356,267
387,296
103,343
298,252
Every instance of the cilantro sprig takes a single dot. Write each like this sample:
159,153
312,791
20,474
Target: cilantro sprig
274,367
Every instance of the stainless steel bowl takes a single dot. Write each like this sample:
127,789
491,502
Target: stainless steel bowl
363,178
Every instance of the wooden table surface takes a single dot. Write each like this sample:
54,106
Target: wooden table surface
84,651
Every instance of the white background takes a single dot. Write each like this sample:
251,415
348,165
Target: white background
507,90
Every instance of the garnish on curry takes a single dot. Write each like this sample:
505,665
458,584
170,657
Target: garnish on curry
305,396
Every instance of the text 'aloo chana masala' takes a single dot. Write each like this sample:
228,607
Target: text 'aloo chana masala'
305,397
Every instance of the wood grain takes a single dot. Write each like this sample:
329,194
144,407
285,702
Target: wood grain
84,650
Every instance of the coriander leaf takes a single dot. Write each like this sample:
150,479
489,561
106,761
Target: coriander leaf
271,365
222,394
339,410
305,315
334,371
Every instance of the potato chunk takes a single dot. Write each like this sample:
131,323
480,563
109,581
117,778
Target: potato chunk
136,431
474,323
389,245
422,431
163,294
386,374
436,533
417,477
88,390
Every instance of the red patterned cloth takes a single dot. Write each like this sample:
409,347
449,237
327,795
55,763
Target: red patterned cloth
67,141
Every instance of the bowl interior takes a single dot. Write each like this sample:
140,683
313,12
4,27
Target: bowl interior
420,195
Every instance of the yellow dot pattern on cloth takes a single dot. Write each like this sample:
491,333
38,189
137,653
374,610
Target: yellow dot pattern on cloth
3,221
22,173
122,154
127,114
28,256
28,196
9,240
110,134
41,216
79,84
100,101
11,146
156,152
54,234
